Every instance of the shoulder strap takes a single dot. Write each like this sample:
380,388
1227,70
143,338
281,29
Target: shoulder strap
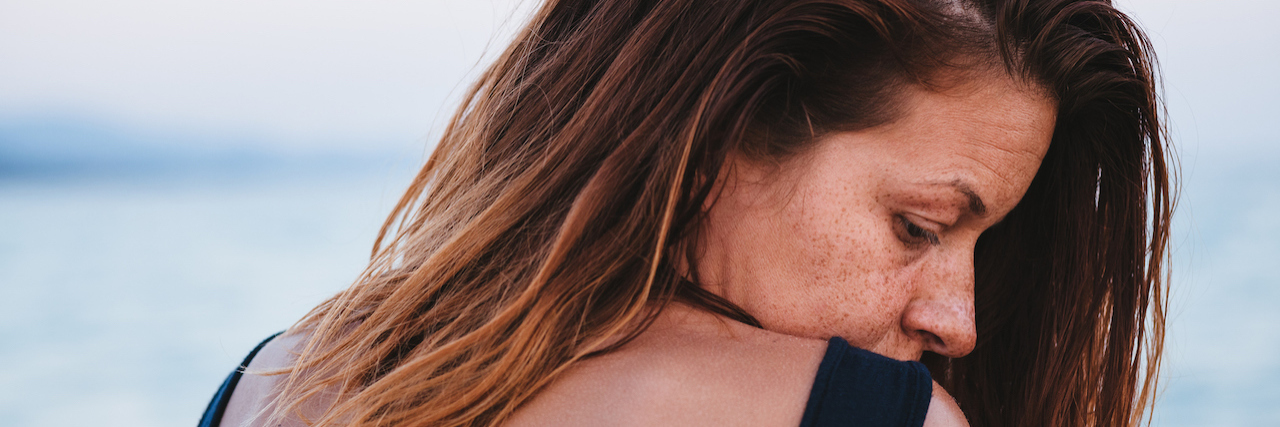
213,413
858,387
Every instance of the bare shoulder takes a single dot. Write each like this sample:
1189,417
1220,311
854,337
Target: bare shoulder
689,368
252,399
943,410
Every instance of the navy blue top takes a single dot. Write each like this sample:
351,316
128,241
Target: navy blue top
853,387
858,387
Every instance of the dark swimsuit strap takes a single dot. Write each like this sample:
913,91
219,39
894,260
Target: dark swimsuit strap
858,387
218,406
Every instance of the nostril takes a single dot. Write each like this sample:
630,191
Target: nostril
941,325
931,341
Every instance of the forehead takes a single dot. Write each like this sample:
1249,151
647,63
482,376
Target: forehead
988,134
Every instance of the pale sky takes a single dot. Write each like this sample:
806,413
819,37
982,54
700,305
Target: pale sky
325,72
292,71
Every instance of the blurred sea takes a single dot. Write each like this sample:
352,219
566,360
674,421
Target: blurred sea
132,279
131,283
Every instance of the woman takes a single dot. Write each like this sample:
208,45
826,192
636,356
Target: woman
677,212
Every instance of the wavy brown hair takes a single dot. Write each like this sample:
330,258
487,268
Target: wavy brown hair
551,216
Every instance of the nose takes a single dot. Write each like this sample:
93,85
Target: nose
940,315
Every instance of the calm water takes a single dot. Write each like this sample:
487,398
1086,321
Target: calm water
126,301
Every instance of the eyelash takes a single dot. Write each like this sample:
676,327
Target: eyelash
914,234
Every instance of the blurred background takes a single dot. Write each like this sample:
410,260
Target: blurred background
179,180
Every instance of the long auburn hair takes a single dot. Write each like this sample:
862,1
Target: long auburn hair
570,183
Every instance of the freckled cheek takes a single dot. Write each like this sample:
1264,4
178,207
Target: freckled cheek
881,300
854,276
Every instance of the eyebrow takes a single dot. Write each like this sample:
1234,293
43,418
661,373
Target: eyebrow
976,205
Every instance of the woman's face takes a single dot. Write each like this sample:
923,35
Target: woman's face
869,235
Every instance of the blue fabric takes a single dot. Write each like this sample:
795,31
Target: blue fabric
855,387
218,405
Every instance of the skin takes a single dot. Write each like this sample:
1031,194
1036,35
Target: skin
870,235
867,235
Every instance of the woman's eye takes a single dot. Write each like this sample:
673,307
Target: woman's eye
915,234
